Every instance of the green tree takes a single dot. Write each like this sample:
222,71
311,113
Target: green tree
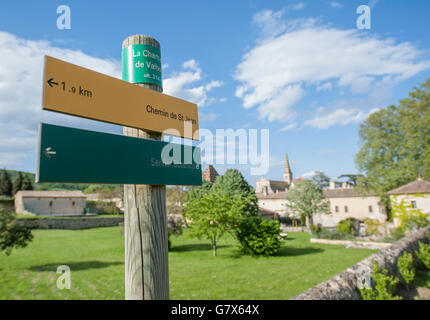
26,183
321,180
395,143
12,235
306,199
214,214
5,184
17,184
351,178
232,182
200,191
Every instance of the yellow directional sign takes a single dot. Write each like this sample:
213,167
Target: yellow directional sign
77,91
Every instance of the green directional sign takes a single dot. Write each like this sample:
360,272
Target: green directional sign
81,156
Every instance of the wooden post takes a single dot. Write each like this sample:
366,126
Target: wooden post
145,222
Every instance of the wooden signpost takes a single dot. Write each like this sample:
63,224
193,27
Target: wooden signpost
136,159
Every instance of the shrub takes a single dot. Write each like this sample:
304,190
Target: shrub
372,226
384,288
406,267
349,225
415,222
397,233
12,235
259,237
103,207
424,254
174,226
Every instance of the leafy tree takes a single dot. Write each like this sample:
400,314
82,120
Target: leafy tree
12,235
214,214
395,142
232,182
17,184
27,184
200,191
306,199
321,180
5,184
351,178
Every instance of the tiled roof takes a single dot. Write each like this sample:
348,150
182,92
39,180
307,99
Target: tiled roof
279,195
50,194
345,193
210,174
418,186
265,212
328,193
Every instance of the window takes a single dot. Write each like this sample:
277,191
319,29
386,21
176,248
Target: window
370,209
73,203
50,203
346,209
336,208
414,204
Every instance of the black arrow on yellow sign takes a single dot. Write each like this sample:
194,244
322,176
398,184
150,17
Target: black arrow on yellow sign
51,82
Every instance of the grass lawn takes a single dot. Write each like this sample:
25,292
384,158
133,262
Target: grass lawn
96,260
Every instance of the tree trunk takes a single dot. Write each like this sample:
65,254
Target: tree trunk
214,246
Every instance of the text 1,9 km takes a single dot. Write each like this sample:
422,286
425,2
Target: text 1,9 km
72,89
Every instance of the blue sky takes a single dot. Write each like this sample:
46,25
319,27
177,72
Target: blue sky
301,69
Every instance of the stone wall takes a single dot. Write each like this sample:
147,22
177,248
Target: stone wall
344,286
70,223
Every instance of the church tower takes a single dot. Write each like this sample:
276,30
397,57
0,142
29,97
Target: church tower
288,175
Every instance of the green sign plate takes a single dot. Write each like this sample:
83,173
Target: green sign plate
81,156
141,63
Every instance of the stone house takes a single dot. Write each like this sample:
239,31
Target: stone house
50,203
345,201
410,199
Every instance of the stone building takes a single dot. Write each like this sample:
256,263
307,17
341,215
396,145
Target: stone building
210,174
50,203
345,201
411,199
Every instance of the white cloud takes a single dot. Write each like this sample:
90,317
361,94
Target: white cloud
326,86
339,116
207,117
298,6
288,127
303,55
337,5
180,84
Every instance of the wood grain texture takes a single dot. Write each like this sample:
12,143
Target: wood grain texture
145,223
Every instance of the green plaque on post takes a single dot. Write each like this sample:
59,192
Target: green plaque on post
142,63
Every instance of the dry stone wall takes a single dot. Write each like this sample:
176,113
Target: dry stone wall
70,223
344,286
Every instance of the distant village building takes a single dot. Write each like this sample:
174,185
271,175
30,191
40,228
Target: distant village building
50,203
412,198
210,174
345,202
